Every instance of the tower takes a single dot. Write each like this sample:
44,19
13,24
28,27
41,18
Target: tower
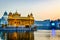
5,15
10,15
31,15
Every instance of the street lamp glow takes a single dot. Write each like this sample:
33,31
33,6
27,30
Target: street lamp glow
53,24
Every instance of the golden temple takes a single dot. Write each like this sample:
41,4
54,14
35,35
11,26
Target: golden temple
15,20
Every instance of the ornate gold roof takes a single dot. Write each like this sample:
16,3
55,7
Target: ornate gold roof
16,15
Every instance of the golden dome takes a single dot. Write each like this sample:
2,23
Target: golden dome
10,13
28,15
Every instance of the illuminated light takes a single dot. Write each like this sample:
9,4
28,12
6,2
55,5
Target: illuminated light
53,24
53,33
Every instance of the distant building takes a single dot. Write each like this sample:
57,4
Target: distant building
43,23
5,15
57,23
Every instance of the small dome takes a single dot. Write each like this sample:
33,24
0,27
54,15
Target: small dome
16,12
5,13
28,15
10,13
31,14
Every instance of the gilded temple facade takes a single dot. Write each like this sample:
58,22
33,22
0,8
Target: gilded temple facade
15,19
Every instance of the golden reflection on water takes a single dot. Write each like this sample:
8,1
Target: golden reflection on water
20,36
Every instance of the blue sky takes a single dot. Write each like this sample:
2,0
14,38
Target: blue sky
41,9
